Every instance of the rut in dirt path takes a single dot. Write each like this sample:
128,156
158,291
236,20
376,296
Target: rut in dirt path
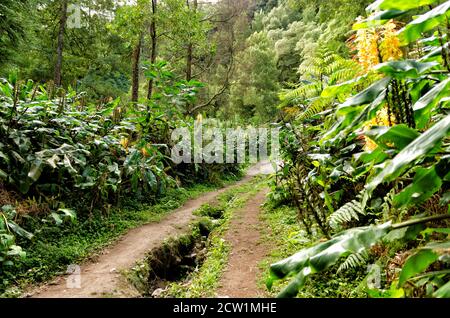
240,279
104,276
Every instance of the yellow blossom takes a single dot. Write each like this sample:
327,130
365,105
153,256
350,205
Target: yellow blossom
390,45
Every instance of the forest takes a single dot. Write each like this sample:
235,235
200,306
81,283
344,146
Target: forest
348,198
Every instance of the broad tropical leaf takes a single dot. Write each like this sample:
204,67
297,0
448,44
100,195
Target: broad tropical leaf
398,136
422,259
378,18
399,4
404,69
424,106
443,292
424,23
416,149
365,97
324,255
426,182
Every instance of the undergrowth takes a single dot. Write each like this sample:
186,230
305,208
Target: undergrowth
287,235
53,249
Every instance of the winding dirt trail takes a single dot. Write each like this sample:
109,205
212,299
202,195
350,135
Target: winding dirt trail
242,272
103,277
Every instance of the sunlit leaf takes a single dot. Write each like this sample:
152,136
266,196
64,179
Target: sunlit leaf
379,18
424,23
416,149
399,4
324,255
443,292
398,136
426,182
425,105
404,69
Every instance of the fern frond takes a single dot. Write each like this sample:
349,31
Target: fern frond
317,105
342,75
304,91
348,212
354,261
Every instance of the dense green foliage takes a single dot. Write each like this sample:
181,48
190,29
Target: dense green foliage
366,142
91,91
71,161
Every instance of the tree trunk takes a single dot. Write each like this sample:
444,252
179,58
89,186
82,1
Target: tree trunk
135,71
190,49
60,48
154,36
189,63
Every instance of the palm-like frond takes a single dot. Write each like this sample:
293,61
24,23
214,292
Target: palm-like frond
316,106
325,68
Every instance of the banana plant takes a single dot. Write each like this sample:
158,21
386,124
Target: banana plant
322,256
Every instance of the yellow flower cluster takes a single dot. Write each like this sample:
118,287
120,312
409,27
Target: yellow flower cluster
366,45
390,45
371,46
125,142
382,119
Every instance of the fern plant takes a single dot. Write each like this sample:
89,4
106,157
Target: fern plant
348,212
324,69
353,261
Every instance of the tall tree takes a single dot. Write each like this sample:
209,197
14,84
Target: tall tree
129,23
135,70
60,46
190,46
154,39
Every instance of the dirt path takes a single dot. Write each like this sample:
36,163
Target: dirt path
240,278
103,277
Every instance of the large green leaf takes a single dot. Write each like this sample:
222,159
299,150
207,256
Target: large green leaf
35,170
416,264
424,23
423,108
342,88
443,292
434,55
416,149
3,175
340,124
17,251
367,113
352,114
426,182
422,259
398,136
365,97
379,18
375,156
19,230
404,69
4,157
63,215
324,255
399,4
